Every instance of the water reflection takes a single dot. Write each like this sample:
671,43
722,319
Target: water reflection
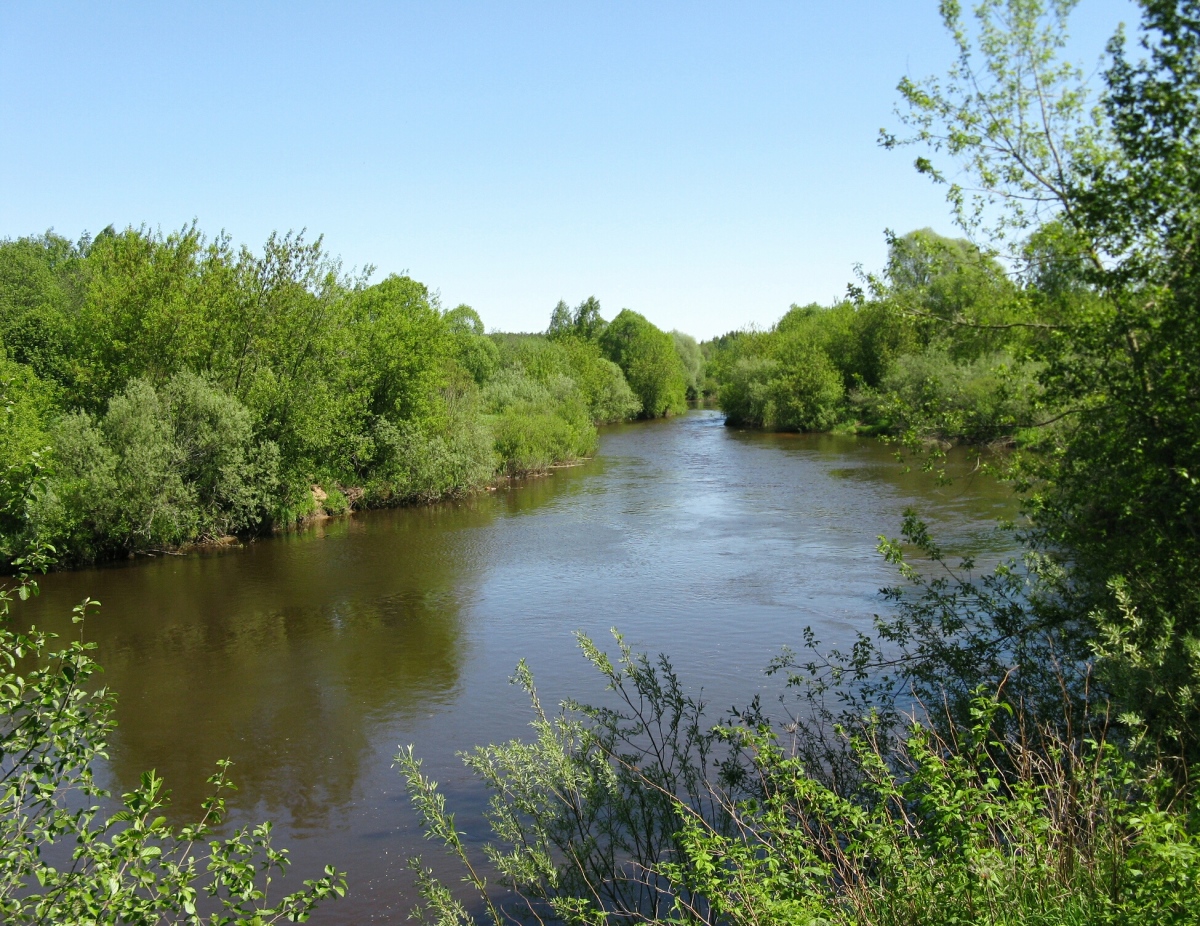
286,654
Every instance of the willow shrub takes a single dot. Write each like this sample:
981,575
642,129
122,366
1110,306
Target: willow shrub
644,811
801,392
977,828
546,358
931,395
159,468
601,381
538,423
446,454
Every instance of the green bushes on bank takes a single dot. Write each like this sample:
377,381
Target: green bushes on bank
164,389
651,360
647,810
648,358
990,398
538,422
935,349
159,468
793,387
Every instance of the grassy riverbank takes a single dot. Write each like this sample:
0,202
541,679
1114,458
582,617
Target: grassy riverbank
163,390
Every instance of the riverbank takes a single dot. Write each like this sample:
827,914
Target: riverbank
146,413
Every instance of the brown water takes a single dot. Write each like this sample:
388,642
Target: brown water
308,658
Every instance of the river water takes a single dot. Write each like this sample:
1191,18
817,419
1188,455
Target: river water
308,658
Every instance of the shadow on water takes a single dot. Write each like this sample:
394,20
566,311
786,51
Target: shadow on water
284,655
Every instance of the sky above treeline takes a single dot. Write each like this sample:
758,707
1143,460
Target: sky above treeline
704,163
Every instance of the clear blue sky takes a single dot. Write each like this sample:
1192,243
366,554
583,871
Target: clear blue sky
703,163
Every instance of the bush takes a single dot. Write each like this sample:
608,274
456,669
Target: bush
448,454
798,390
645,812
743,392
538,424
1026,831
648,359
987,399
600,381
160,468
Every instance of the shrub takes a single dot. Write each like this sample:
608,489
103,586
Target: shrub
797,390
447,454
987,399
601,381
538,424
743,393
234,477
644,812
160,468
806,393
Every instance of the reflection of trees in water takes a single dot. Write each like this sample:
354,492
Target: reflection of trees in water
283,655
288,695
531,493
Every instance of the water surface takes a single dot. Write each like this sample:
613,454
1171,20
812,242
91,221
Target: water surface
308,658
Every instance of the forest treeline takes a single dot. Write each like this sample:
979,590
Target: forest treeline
938,345
166,389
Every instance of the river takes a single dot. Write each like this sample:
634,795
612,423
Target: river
309,657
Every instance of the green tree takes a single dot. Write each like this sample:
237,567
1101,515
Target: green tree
1113,188
38,286
648,359
561,320
583,322
139,315
936,281
693,363
600,380
475,352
